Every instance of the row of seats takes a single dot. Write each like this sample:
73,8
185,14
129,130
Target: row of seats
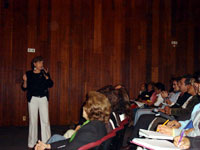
112,141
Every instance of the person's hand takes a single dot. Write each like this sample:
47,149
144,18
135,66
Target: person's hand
174,124
167,110
46,72
165,130
188,131
161,110
184,144
77,128
118,87
168,102
24,77
42,146
164,94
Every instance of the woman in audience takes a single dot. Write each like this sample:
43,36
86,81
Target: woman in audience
149,92
159,87
120,105
96,111
171,98
142,92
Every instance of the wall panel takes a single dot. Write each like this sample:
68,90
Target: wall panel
88,44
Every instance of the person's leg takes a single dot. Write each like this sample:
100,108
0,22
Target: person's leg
33,122
141,112
44,119
69,133
143,123
56,138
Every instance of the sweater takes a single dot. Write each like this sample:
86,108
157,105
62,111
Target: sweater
37,84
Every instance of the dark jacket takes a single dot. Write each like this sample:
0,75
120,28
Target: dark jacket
37,84
90,132
181,100
183,112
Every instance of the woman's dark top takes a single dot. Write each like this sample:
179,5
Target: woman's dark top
37,84
90,132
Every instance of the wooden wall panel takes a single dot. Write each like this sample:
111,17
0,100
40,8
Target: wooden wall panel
88,44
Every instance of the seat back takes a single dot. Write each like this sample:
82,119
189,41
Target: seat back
102,143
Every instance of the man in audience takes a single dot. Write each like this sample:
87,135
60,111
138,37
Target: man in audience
184,99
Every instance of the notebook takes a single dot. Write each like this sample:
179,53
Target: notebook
140,104
154,135
153,144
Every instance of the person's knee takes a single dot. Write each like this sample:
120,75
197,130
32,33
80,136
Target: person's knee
55,136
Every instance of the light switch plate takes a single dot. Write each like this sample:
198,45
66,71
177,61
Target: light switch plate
31,50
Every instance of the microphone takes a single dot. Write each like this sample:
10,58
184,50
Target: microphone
43,71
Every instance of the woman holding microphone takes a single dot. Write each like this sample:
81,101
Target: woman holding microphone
36,82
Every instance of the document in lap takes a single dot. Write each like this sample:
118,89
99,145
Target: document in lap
154,135
140,104
154,144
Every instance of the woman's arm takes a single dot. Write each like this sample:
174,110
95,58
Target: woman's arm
24,83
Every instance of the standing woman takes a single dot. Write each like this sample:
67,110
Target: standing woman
36,82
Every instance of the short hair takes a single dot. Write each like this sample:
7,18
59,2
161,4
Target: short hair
97,107
177,79
187,79
36,59
160,86
196,76
151,83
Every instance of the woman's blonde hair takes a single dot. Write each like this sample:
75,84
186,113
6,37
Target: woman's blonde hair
97,107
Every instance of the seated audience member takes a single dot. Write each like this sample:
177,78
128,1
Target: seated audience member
187,142
120,105
159,87
124,92
96,111
171,98
149,92
191,126
142,92
156,99
115,94
182,112
183,99
174,127
145,120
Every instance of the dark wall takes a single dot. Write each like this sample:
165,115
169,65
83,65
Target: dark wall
91,43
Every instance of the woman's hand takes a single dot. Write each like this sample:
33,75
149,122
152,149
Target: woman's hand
188,131
25,81
46,72
165,130
42,146
168,102
77,128
164,94
24,77
174,124
184,144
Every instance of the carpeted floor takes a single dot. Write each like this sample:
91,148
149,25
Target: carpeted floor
16,138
